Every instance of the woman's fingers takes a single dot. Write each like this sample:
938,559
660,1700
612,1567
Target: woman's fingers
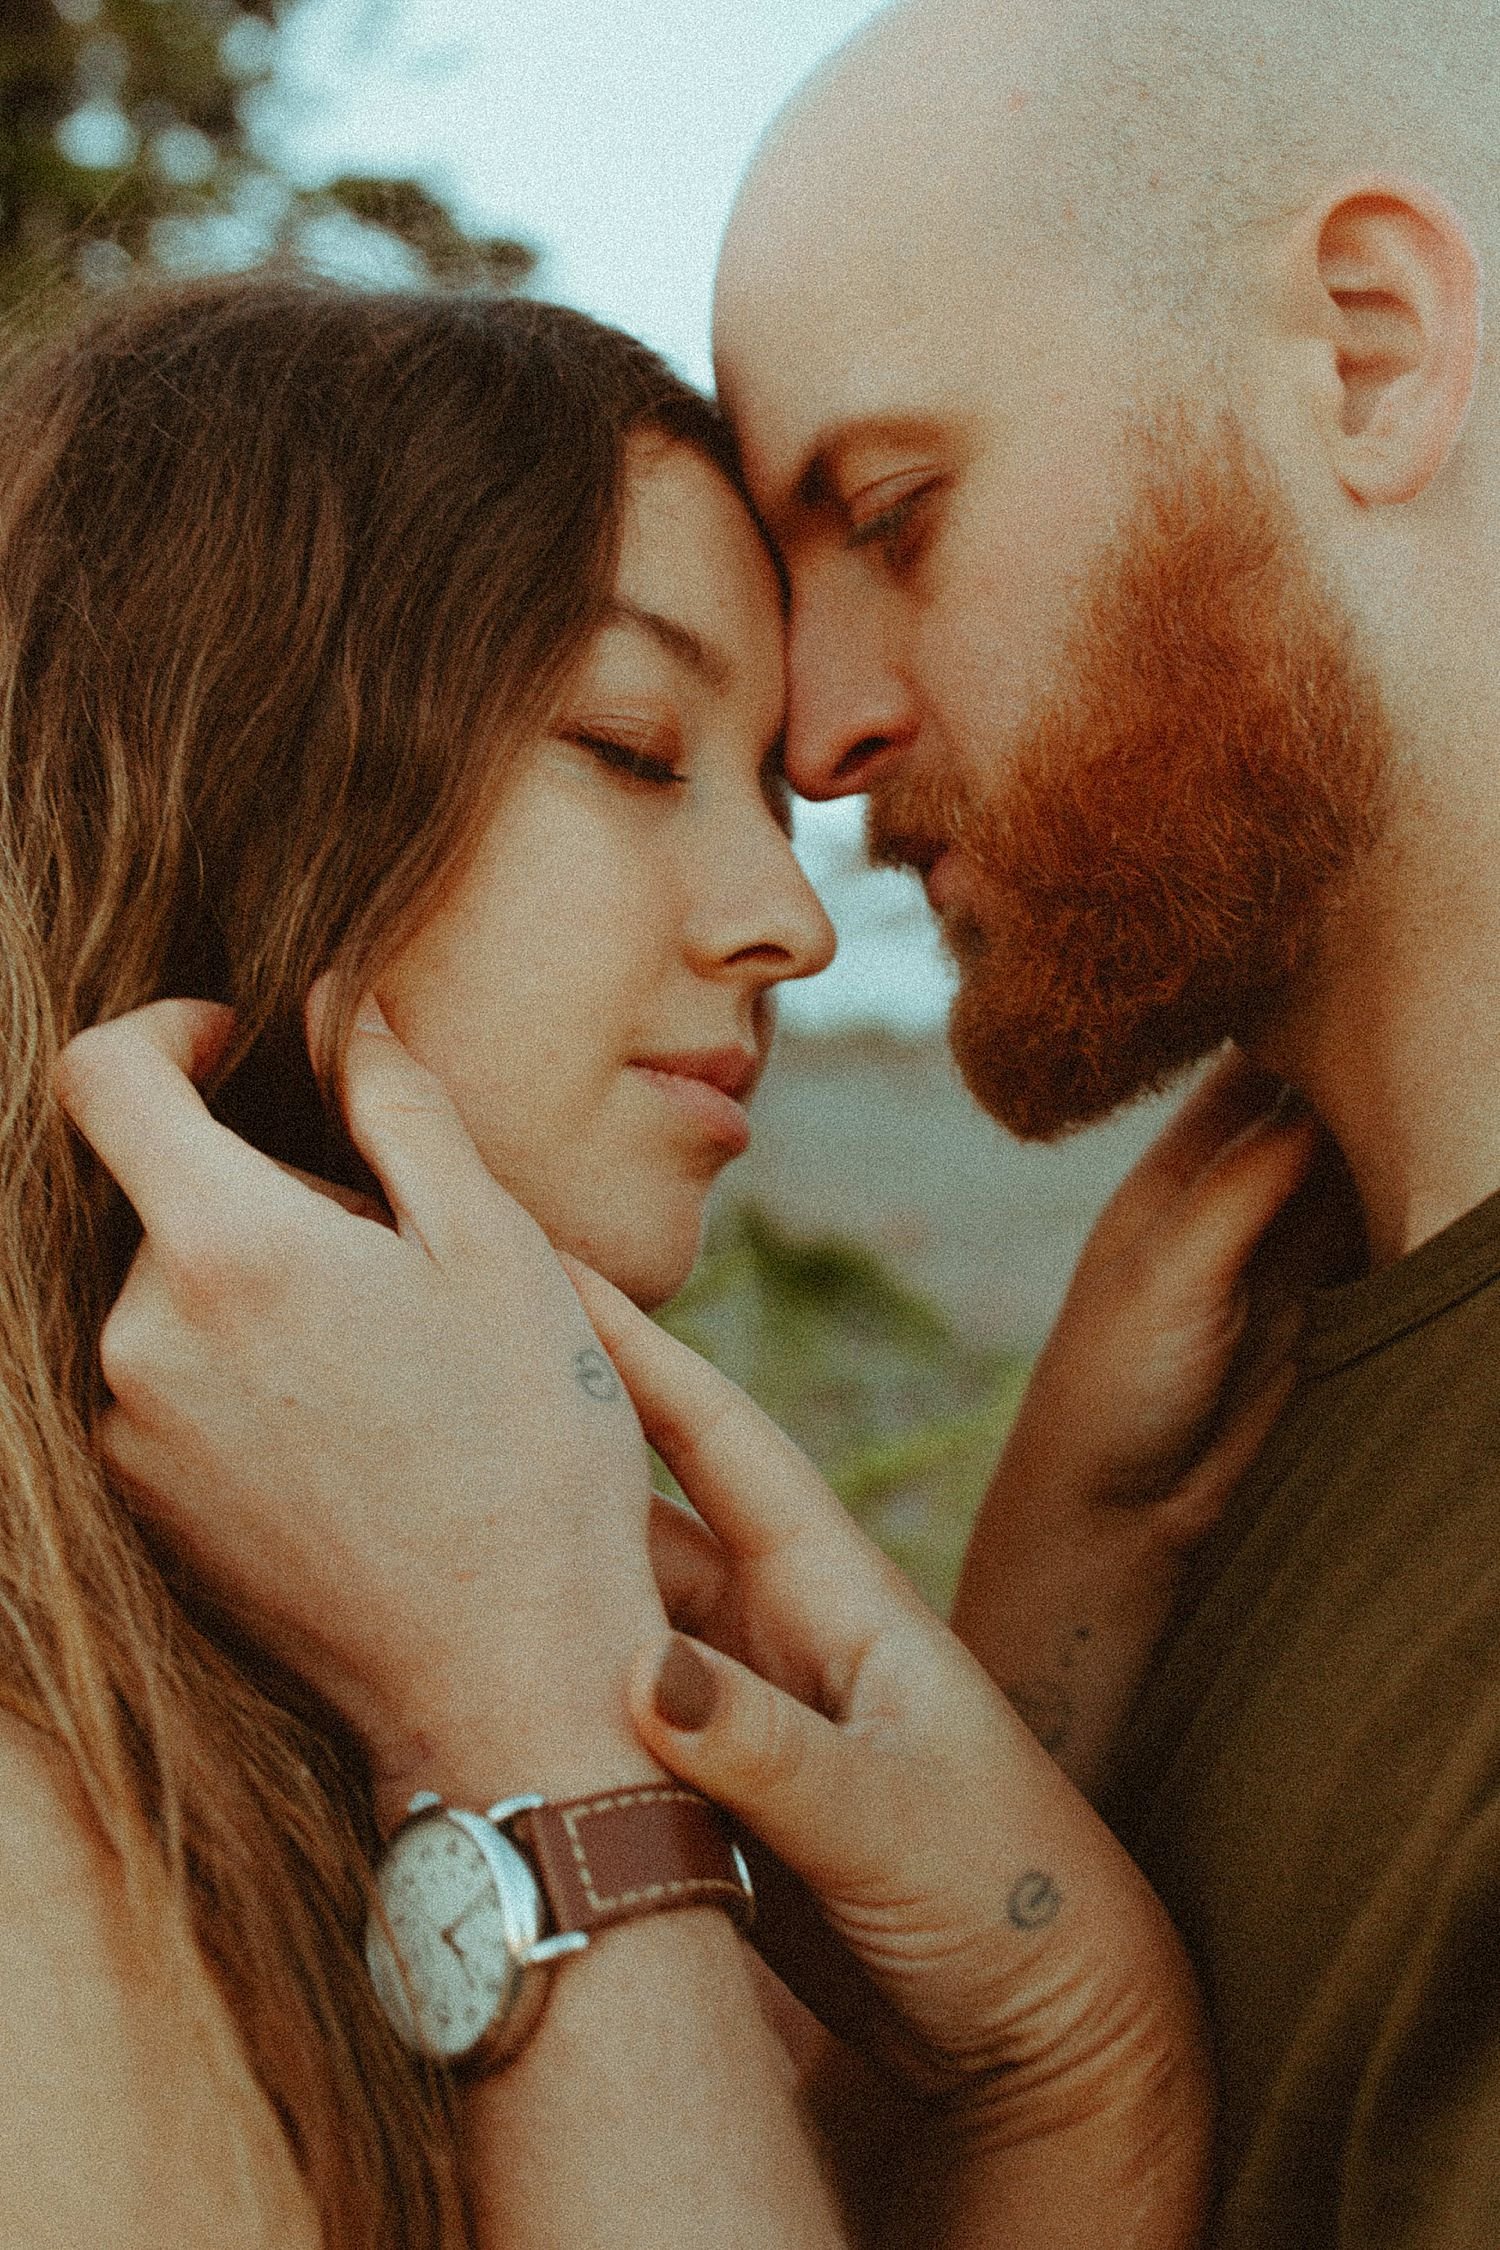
1225,1212
1198,1502
813,1831
128,1086
784,1770
405,1126
755,1488
813,1591
691,1568
1233,1094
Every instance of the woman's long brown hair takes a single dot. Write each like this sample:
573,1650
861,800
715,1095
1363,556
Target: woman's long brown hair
284,572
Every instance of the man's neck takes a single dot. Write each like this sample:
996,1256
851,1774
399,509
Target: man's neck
1398,1049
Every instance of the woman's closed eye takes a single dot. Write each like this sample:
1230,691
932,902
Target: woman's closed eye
645,766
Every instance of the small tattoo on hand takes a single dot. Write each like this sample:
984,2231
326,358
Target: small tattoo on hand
1034,1902
596,1376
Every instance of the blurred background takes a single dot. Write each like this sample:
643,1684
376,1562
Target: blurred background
882,1267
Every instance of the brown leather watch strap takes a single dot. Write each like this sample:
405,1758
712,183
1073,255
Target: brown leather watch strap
633,1851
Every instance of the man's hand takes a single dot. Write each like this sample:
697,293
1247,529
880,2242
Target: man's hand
1151,1399
396,1454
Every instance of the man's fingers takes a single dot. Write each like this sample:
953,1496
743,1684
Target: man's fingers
353,1200
1231,1204
128,1087
190,1034
1234,1093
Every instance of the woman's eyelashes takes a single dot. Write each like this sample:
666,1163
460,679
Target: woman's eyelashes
670,766
650,767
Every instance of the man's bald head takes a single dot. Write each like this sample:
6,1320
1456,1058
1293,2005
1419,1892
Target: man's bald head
1150,140
983,262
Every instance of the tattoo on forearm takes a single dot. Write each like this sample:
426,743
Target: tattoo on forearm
1034,1902
595,1374
1046,1707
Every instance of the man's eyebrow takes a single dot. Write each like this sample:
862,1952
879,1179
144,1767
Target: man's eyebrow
679,641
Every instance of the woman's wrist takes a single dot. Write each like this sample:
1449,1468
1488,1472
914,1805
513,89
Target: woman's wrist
475,1759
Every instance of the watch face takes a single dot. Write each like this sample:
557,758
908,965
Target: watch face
450,1902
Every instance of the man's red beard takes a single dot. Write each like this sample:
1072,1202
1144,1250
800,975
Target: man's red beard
1155,863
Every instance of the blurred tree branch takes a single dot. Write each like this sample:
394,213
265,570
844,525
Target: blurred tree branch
127,144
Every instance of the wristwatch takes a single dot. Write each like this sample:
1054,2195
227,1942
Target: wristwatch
474,1910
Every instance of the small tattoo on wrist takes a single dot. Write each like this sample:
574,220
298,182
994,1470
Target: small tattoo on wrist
1034,1902
595,1374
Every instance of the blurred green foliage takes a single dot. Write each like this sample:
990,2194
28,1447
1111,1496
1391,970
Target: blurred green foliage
904,1420
128,142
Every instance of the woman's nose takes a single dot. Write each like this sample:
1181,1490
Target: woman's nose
765,918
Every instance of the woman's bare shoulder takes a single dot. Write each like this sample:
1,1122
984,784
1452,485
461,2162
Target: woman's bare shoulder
115,2124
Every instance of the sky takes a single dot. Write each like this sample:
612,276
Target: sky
610,134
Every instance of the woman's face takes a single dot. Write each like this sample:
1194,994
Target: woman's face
593,991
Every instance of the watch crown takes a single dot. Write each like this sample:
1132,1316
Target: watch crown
425,1800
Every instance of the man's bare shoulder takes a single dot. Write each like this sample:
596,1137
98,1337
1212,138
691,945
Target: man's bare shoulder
115,2123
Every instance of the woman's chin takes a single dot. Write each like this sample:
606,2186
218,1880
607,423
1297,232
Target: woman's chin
649,1266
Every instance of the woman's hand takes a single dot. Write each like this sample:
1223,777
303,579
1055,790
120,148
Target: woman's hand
1028,1983
1162,1378
372,1442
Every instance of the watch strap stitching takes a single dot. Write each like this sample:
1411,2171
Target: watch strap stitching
573,1817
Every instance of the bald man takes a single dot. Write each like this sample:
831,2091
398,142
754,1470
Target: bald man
1111,379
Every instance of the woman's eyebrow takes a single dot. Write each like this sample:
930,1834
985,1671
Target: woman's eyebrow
679,641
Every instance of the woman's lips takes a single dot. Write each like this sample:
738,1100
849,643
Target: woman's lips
699,1092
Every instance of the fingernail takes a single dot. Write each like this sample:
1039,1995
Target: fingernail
370,1017
686,1688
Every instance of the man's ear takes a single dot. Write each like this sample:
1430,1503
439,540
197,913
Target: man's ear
1391,285
1386,286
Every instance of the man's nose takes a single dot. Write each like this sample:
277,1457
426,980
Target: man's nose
850,709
